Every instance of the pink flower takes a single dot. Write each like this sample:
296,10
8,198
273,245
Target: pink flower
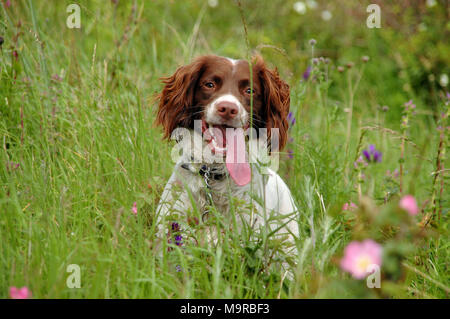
19,293
408,203
134,208
359,255
349,206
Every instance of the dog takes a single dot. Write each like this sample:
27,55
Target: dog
208,106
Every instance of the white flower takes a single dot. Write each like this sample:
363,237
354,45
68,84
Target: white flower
443,80
311,4
213,3
431,3
300,7
326,15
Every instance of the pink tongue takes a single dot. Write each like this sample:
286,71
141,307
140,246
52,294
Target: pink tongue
236,160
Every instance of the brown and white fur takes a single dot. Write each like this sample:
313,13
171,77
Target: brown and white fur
217,90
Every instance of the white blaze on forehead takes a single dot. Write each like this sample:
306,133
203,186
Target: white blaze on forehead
233,61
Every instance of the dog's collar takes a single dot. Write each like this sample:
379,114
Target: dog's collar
207,172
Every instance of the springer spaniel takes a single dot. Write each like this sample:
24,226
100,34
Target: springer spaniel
210,107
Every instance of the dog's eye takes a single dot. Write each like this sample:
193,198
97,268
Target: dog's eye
249,91
209,85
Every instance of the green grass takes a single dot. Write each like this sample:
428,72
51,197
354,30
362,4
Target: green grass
87,148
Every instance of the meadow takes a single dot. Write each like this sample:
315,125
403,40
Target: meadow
82,165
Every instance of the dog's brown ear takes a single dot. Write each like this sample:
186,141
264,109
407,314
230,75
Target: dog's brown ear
177,97
276,100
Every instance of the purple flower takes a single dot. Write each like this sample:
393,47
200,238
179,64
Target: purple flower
290,154
175,227
178,240
372,154
307,73
178,268
291,118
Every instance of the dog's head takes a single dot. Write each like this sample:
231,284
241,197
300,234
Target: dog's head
219,90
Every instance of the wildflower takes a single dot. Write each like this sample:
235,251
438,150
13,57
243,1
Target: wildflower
443,80
349,206
385,108
393,174
19,293
178,268
291,118
409,105
134,208
315,61
175,227
307,73
340,69
178,240
372,155
360,162
326,60
15,55
290,153
359,255
312,42
350,65
431,3
396,173
300,7
213,3
365,59
326,15
409,204
8,3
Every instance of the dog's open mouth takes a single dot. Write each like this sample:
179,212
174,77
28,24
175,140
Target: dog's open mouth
231,143
217,136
